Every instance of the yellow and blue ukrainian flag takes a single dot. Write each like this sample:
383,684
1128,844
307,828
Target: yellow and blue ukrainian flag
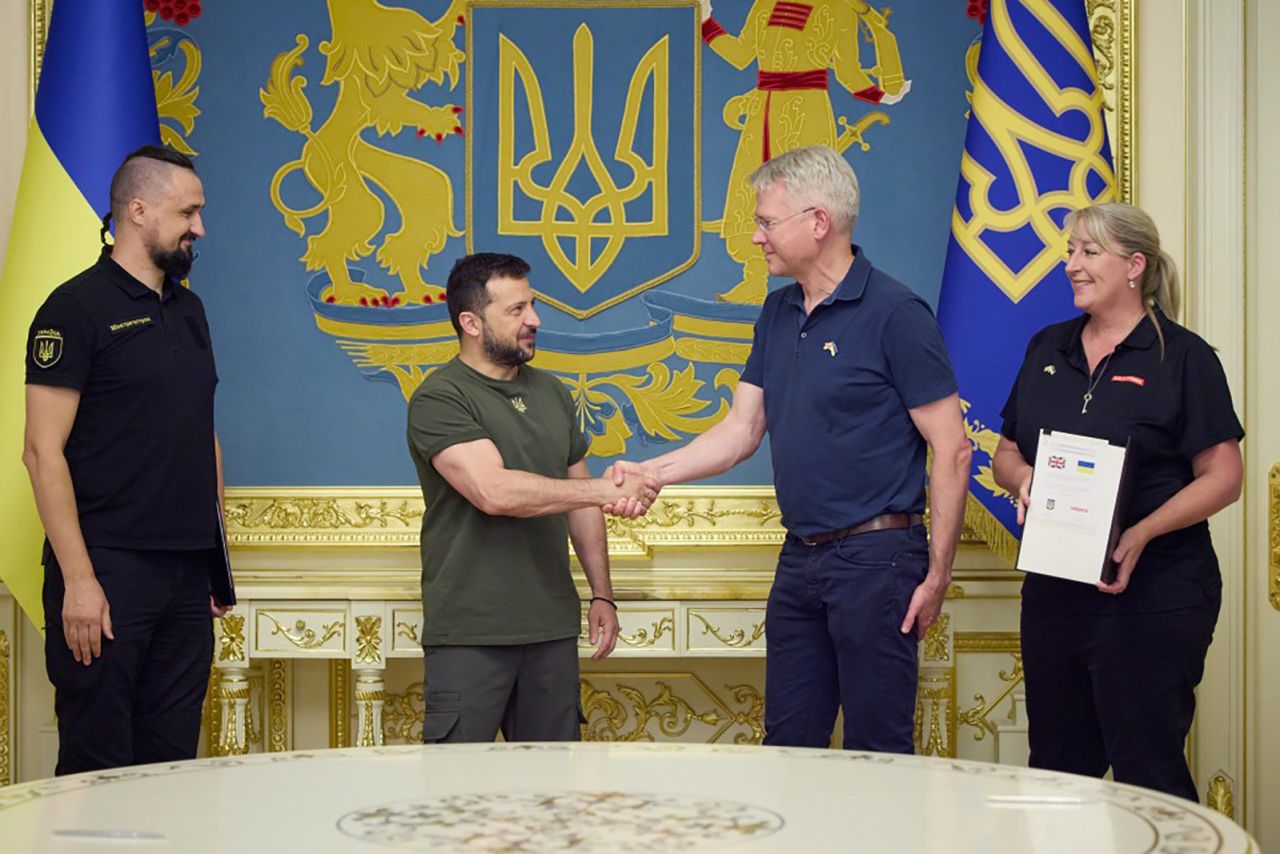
95,103
1036,148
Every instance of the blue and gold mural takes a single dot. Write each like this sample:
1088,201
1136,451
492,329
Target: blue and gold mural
353,149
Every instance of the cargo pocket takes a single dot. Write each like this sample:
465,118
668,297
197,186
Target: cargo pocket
443,708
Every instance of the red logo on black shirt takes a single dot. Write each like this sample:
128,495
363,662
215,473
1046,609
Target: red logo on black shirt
1128,378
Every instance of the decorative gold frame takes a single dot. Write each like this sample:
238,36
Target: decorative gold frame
1273,536
7,766
719,517
1112,24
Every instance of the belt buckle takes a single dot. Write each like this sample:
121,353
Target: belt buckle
809,541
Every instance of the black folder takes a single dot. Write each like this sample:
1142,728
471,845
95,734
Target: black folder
221,584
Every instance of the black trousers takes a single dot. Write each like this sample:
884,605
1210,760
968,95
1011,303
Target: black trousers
1115,691
141,700
529,692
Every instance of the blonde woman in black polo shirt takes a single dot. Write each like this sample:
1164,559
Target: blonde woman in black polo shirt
1111,670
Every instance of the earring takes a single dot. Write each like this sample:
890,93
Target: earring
1132,283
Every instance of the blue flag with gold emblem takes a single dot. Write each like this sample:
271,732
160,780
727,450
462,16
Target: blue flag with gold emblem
1036,148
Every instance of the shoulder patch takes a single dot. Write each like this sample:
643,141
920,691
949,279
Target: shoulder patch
46,347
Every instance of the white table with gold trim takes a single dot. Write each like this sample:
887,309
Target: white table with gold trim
599,797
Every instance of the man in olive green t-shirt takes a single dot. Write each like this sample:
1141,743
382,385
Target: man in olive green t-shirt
500,457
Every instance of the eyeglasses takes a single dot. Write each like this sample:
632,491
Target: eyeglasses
767,225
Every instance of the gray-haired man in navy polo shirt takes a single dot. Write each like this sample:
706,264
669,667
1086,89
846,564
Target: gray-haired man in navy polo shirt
849,376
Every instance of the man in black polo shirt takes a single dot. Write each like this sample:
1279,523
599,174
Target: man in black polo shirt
849,375
127,477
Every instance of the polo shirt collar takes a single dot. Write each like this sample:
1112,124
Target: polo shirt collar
851,287
127,283
1141,337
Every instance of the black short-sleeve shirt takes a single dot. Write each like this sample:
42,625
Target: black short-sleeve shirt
839,386
141,449
1169,407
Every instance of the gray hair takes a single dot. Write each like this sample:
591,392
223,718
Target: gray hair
815,175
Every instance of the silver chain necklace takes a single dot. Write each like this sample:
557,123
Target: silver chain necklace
1088,394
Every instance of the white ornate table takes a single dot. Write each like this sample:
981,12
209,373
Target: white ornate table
599,797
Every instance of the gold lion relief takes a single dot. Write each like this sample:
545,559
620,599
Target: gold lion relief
376,56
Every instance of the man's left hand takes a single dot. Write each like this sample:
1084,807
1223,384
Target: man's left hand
602,625
218,610
926,605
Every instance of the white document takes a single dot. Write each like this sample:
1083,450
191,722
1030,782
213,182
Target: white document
1074,490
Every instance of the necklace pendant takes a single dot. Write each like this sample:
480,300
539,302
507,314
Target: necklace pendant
1087,397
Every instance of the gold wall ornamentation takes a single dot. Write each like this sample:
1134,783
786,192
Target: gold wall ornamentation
738,638
303,636
1102,26
277,705
989,642
682,517
293,517
402,716
937,716
690,512
408,631
327,517
936,707
1220,797
1112,25
643,637
39,29
627,713
231,642
368,639
6,711
936,646
340,703
212,716
1273,536
934,729
979,715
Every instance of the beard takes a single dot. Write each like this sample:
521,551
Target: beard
176,263
503,353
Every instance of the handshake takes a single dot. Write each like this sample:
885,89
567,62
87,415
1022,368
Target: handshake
635,485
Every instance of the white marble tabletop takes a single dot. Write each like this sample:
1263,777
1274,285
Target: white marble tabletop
598,797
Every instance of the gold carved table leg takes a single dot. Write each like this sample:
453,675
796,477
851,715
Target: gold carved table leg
232,691
368,665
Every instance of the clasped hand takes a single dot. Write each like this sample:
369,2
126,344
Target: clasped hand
638,486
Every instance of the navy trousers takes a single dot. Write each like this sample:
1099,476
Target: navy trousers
1115,691
140,701
834,641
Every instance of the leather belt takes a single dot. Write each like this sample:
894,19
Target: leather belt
883,522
